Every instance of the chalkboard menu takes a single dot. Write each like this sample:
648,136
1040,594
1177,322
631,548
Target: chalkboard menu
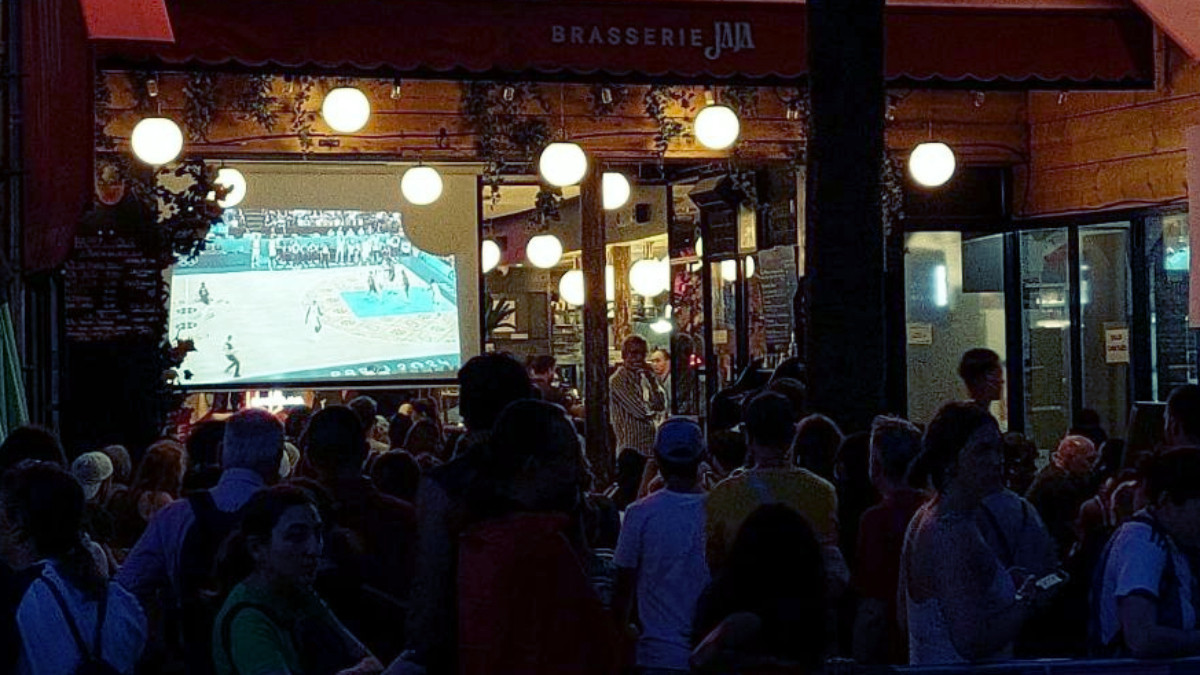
112,290
778,281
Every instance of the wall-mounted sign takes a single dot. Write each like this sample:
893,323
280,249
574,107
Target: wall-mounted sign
1116,345
920,333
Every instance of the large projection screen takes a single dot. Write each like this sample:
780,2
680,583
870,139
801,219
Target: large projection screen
324,274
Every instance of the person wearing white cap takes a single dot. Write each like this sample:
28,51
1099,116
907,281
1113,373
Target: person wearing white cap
94,472
660,553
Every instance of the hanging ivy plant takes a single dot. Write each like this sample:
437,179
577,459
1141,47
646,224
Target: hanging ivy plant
606,98
256,103
103,104
745,180
892,190
547,204
797,104
507,136
657,103
199,105
743,100
303,118
140,86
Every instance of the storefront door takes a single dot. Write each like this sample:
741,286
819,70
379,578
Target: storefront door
1105,326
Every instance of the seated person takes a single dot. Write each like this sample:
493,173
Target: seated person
1145,602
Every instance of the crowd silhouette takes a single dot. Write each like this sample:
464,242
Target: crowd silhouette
353,540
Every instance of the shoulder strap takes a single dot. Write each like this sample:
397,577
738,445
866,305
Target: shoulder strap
227,627
84,652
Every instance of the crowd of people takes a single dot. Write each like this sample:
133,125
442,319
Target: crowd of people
349,540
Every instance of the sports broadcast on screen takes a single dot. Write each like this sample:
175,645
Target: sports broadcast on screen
312,295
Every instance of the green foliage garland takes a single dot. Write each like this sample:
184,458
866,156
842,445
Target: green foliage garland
199,105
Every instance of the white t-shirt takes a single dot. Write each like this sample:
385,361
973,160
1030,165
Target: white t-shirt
47,646
1137,559
663,539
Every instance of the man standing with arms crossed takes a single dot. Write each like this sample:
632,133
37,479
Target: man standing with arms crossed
635,398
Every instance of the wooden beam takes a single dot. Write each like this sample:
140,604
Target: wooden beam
595,327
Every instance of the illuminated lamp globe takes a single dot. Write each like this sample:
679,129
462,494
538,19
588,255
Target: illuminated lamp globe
750,267
616,190
157,141
699,247
346,110
729,270
717,127
544,251
662,326
932,164
610,283
570,288
646,278
489,255
563,164
235,184
421,185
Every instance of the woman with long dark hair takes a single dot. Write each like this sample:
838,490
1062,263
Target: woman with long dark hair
962,605
272,620
767,607
157,483
68,613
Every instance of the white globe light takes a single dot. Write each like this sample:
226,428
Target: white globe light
750,267
346,110
615,188
563,164
699,247
717,127
932,164
544,251
610,283
662,326
570,287
648,277
235,182
729,270
421,185
157,141
489,255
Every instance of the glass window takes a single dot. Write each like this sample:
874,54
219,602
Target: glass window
1168,261
1046,322
1105,333
954,302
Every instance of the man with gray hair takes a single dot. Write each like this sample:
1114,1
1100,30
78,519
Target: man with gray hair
177,550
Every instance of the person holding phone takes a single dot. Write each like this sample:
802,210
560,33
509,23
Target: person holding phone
959,602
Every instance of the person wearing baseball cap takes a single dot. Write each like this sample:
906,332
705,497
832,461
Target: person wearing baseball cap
660,553
94,472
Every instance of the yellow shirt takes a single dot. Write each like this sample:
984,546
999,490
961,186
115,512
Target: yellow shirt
736,497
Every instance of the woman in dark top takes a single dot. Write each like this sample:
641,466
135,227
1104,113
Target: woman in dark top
767,607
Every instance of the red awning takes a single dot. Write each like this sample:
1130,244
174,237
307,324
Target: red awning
598,39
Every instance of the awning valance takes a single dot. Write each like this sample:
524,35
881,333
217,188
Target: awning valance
637,41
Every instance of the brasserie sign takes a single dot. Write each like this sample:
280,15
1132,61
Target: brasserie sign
724,37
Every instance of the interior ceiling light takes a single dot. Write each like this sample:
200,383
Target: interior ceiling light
563,164
932,165
157,141
616,190
648,277
729,270
750,267
235,184
662,326
421,185
346,110
489,255
717,127
544,251
570,288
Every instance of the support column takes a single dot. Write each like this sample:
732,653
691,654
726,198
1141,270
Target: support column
595,325
847,331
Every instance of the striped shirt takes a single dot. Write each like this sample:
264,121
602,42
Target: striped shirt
635,402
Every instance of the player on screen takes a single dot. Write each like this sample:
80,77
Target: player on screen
372,285
234,364
203,292
404,278
312,317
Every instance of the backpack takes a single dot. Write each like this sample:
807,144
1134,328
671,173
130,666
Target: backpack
91,660
197,605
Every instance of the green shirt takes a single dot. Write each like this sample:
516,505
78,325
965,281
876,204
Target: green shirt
258,645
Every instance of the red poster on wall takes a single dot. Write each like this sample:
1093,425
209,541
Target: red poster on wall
142,20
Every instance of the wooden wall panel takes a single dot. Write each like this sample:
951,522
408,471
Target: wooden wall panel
1091,151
